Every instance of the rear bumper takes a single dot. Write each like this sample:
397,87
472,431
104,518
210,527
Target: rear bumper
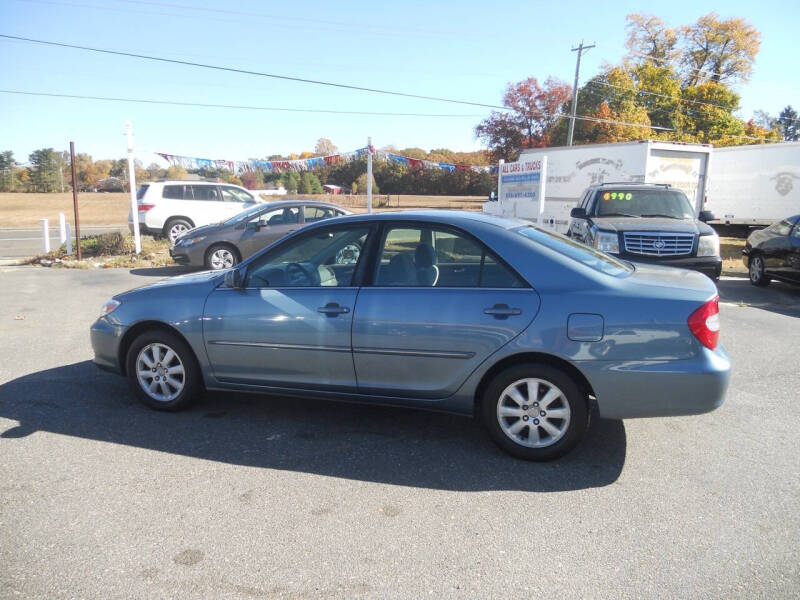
710,266
632,389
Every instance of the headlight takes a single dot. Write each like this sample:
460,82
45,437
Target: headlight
708,245
108,307
190,241
607,242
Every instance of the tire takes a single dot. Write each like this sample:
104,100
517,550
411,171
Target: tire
175,227
756,271
151,347
522,432
221,256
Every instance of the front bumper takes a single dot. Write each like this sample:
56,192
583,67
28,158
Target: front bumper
711,266
631,389
193,255
105,339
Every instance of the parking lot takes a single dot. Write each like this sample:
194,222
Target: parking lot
249,497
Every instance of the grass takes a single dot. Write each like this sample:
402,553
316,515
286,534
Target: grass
109,250
25,210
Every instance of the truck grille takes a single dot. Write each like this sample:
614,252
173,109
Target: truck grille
658,244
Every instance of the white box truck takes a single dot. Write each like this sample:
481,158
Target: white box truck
755,185
571,169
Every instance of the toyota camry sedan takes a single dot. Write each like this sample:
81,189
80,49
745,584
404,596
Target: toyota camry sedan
450,311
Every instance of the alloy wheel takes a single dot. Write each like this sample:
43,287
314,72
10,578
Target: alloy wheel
222,258
533,413
177,230
160,372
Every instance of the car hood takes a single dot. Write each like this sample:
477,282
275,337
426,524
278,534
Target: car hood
204,230
652,224
207,278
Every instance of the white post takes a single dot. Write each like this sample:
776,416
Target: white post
542,184
69,239
500,181
45,236
132,182
369,174
62,228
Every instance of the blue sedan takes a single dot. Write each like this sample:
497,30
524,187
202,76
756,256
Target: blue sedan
450,311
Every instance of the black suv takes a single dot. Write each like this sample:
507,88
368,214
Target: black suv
644,222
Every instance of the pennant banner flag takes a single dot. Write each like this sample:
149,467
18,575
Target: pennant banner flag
316,162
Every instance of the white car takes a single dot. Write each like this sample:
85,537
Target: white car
171,208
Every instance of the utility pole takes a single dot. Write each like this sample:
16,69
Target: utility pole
369,174
580,50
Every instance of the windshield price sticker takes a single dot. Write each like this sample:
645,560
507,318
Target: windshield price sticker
617,196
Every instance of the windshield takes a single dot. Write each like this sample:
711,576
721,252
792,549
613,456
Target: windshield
250,212
671,204
599,261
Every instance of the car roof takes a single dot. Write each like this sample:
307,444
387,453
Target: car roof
296,201
453,217
193,182
632,184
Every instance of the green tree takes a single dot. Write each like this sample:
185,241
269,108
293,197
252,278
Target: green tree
45,170
291,181
7,168
711,119
309,184
789,124
359,186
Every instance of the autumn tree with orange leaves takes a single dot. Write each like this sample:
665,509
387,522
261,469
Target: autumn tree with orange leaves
533,109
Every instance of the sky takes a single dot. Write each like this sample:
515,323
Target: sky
465,50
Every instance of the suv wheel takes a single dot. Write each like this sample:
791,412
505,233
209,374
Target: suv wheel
175,228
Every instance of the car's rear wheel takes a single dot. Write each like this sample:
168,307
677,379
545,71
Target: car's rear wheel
176,228
162,371
535,412
221,256
756,271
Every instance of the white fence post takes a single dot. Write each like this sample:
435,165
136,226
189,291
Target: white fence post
62,228
132,185
369,174
68,239
45,236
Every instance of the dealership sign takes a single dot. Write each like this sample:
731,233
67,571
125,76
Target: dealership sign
521,185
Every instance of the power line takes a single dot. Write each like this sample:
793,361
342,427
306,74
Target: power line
257,73
234,106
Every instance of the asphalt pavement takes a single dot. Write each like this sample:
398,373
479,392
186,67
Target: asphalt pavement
250,497
22,242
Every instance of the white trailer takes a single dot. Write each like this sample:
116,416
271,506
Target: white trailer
755,185
571,169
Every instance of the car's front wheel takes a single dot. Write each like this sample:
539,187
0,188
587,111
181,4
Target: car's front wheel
221,256
756,271
162,371
535,412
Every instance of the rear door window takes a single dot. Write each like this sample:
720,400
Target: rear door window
174,192
205,192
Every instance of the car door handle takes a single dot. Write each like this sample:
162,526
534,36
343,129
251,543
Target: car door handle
332,309
502,311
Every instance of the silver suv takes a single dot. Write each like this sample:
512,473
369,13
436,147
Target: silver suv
171,208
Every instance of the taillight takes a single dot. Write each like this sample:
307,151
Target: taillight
146,207
704,323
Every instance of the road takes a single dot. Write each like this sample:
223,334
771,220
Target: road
24,242
249,497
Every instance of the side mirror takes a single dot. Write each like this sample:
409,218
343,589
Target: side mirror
254,225
233,279
705,216
578,213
